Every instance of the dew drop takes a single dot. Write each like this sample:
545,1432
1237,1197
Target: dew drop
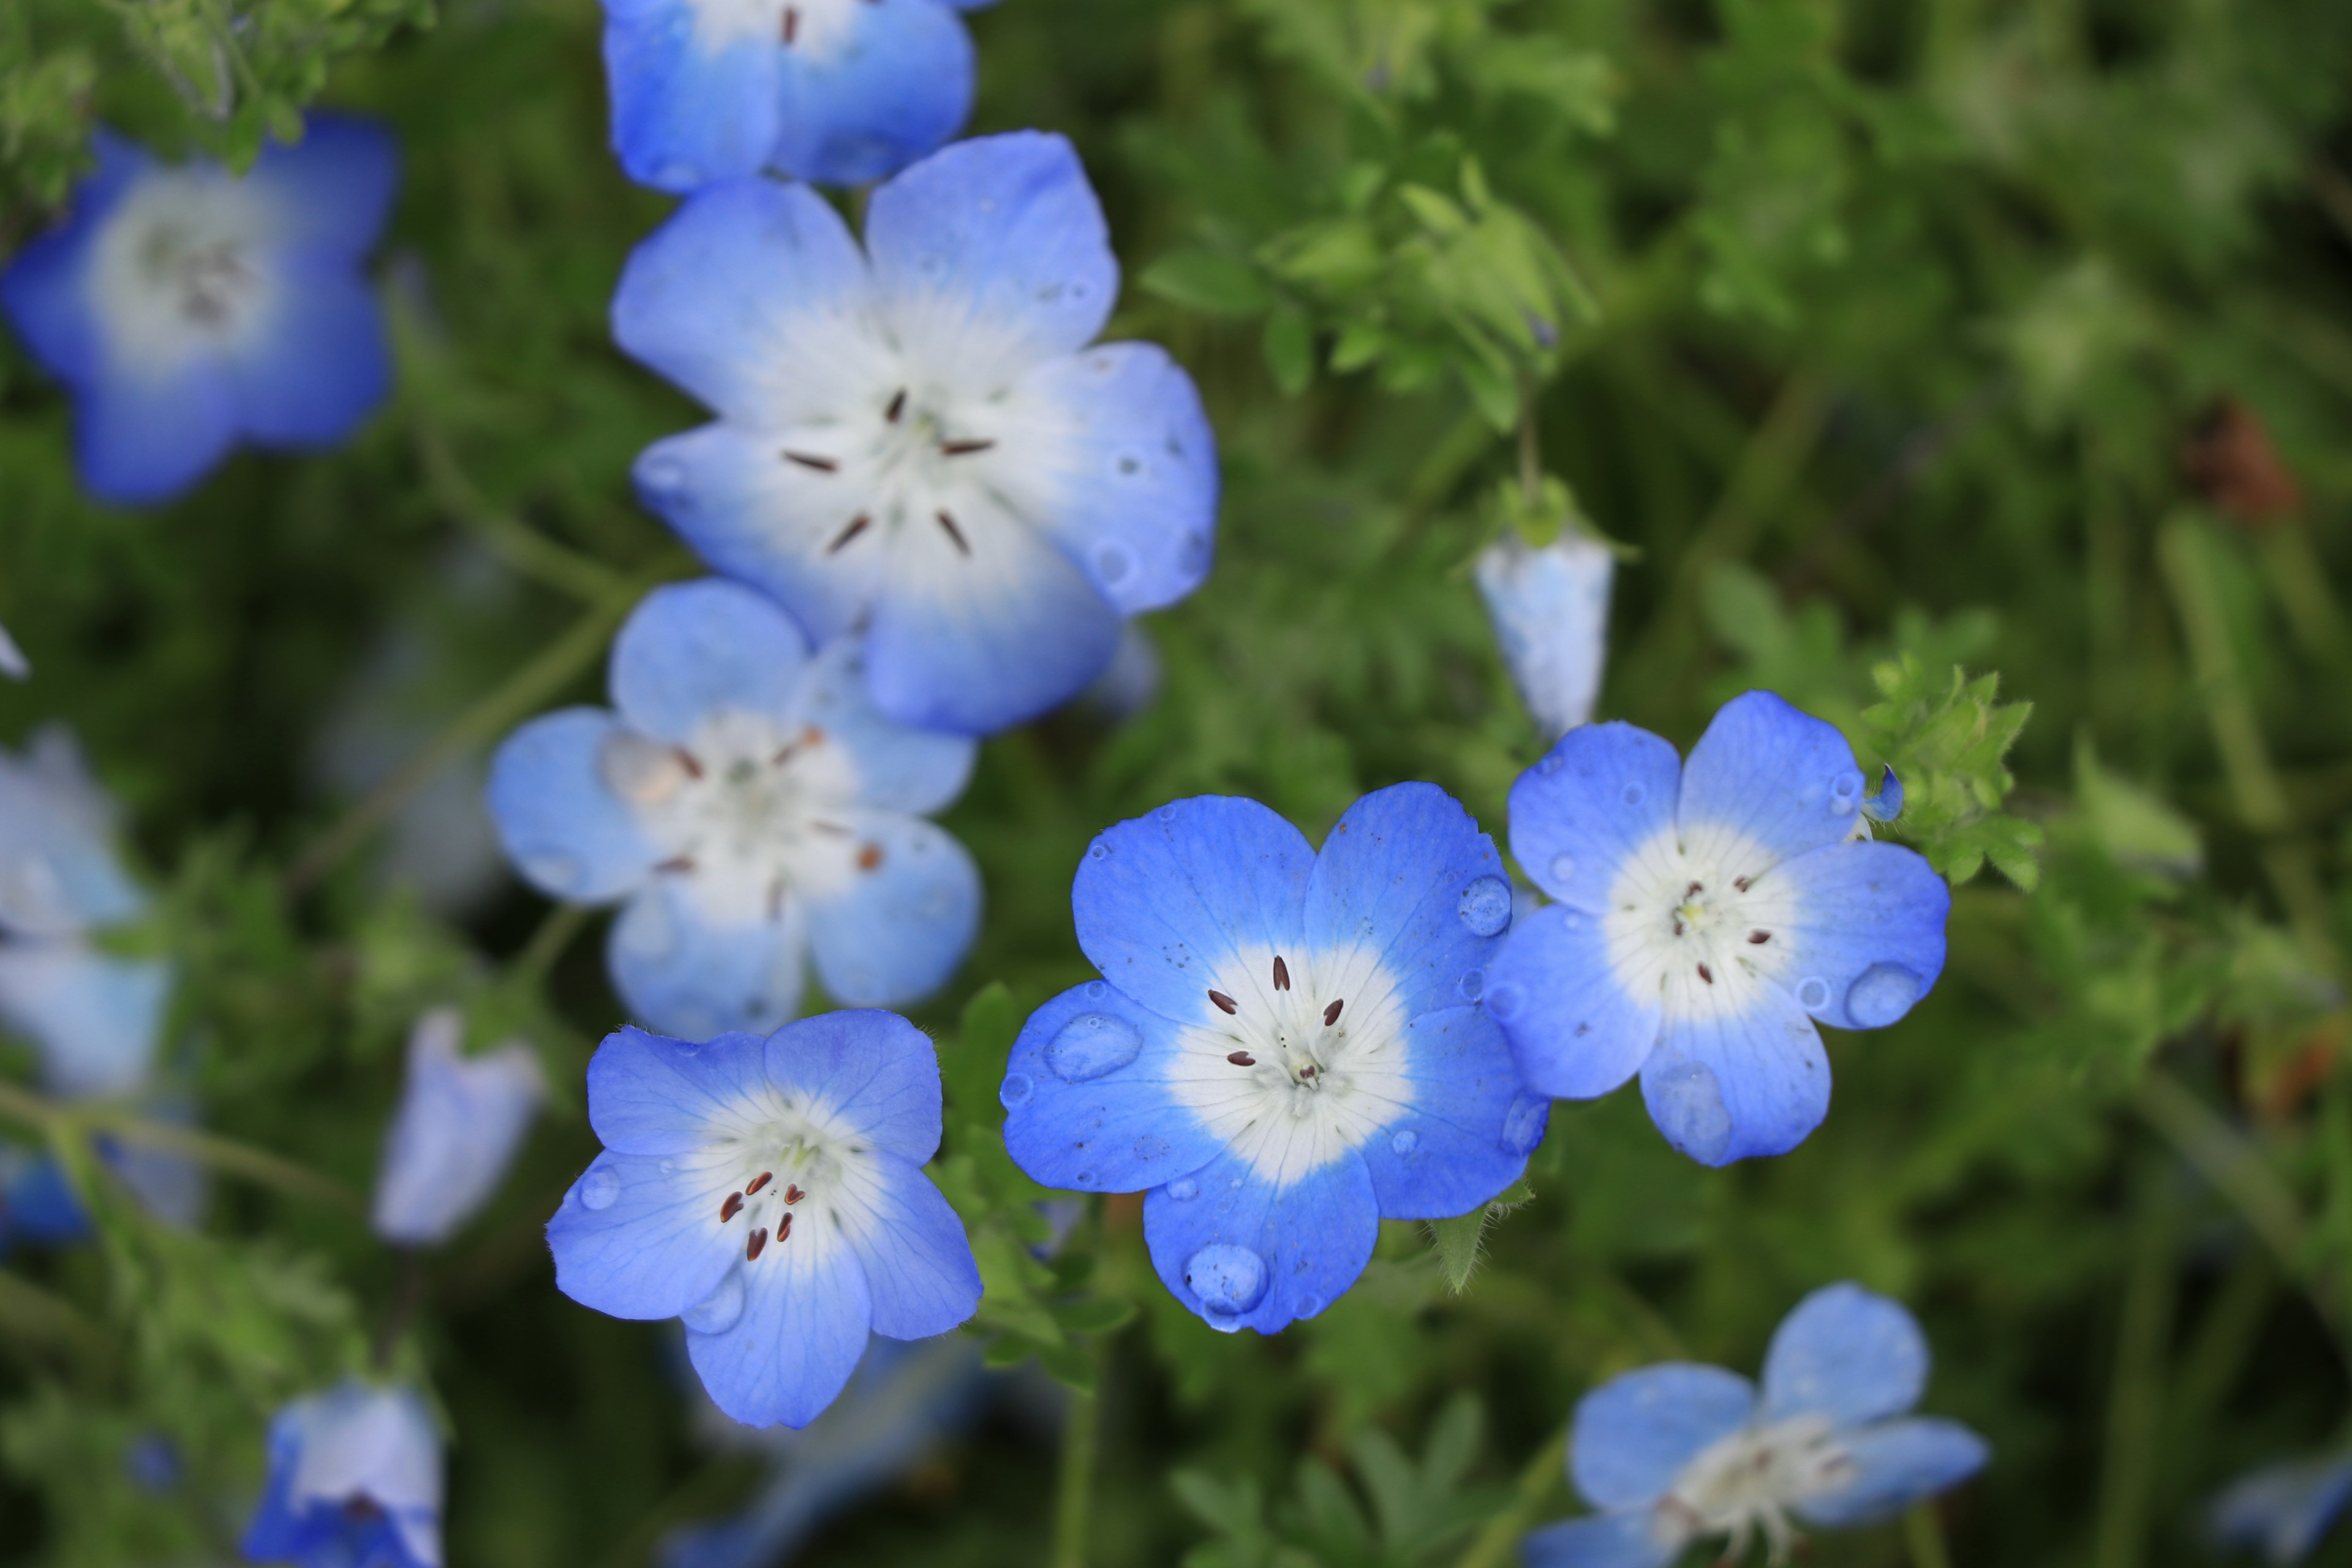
1563,868
552,873
1015,1090
1884,993
1485,906
1227,1278
1097,990
1845,792
1813,993
599,1188
1405,1142
1473,985
1113,563
1686,1102
1305,1306
1183,1189
1524,1124
1096,851
1503,1001
1553,762
1634,794
669,1167
1091,1045
717,1312
661,477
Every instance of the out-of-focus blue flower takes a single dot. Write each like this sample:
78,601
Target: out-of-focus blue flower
152,1462
1680,1452
769,1193
354,1482
754,811
1708,914
1549,606
1284,1049
1129,682
460,1120
916,436
36,1202
838,92
188,308
13,662
2283,1510
903,1400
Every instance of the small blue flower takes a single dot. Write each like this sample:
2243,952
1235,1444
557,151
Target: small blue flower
1550,607
769,1192
188,308
36,1202
1679,1452
1708,914
838,92
354,1482
2283,1510
754,811
461,1120
13,662
1284,1049
916,436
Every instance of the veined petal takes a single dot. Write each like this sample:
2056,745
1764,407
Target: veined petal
322,365
651,1094
688,108
1737,1074
897,767
878,1072
1247,1253
1896,1464
1576,1030
1469,1128
557,818
1860,927
1767,774
97,1019
1088,1099
690,649
142,438
777,1340
633,1240
335,186
920,1271
1845,1354
1167,904
1629,1537
902,917
1406,904
1634,1434
895,87
1595,799
687,972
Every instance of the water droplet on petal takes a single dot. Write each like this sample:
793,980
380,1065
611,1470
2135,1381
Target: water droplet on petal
1485,906
1305,1306
1227,1278
1634,794
1096,851
552,873
1845,792
1503,1001
1091,1045
661,478
1016,1090
1113,563
1168,812
1406,1142
1686,1102
1097,990
1473,983
1884,993
1552,762
599,1187
1813,993
1524,1124
1183,1189
1563,868
717,1312
669,1167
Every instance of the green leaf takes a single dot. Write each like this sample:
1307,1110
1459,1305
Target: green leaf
1209,281
1290,349
1458,1240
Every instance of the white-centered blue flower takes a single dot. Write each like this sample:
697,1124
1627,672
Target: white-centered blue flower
1550,607
460,1122
1681,1452
354,1482
2283,1510
1285,1047
754,811
769,1193
914,438
188,309
838,92
1709,914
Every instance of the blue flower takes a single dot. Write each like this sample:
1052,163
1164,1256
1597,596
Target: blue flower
914,437
36,1202
1709,915
13,662
188,308
354,1482
1550,607
838,92
461,1120
754,810
769,1193
2283,1510
1284,1049
1678,1452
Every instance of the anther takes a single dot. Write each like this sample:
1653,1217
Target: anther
732,1208
897,406
784,1229
1308,1071
821,465
1703,974
756,1182
1758,938
688,761
791,749
793,1193
792,25
954,533
1224,1003
1281,974
1740,883
776,898
681,863
757,1244
1332,1013
1241,1058
829,828
1695,889
964,449
857,526
869,856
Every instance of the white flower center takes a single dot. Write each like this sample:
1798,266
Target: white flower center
817,30
179,267
1745,1484
918,462
1701,923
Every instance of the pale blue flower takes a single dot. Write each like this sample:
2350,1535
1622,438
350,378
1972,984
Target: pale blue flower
1549,606
460,1122
354,1482
2283,1510
13,662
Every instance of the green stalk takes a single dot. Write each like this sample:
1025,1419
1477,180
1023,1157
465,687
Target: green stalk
1498,1541
2135,1397
1074,1487
257,1165
1923,1536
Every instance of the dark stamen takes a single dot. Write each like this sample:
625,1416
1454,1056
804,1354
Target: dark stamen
757,1244
1241,1058
964,449
1758,938
1332,1013
783,1228
1308,1071
1704,975
821,465
762,1180
676,863
897,406
688,761
954,533
786,755
1695,889
776,899
830,830
792,25
1281,974
1740,883
1224,1003
792,1194
869,856
857,526
732,1208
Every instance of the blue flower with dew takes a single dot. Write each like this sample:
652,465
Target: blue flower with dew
1680,1452
769,1193
1709,914
354,1482
754,812
839,92
1284,1049
187,309
914,437
1549,608
2283,1510
461,1120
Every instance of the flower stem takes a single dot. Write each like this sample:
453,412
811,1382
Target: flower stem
406,1293
2136,1394
1923,1536
256,1166
1498,1541
1074,1490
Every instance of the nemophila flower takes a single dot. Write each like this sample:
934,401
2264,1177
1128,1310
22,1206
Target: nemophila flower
188,307
13,663
1549,606
461,1120
1708,914
754,811
2283,1510
769,1193
354,1482
36,1202
915,438
838,92
1284,1049
1680,1452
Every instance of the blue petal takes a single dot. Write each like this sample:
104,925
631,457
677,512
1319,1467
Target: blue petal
1861,926
1171,905
1730,1084
878,1072
1550,607
900,85
690,649
975,638
1575,1030
56,830
897,767
895,931
460,1122
683,974
2283,1510
803,1322
685,114
1769,774
1468,1130
338,182
655,1248
44,289
920,1271
326,1451
995,245
36,1202
1896,1464
557,819
1084,1113
1243,1253
1407,904
1628,1539
142,440
98,1019
651,1094
1596,797
1129,485
1847,1354
1634,1434
743,298
323,363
